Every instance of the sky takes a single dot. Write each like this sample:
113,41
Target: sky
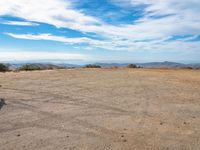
85,31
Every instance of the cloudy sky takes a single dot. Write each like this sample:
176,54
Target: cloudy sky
81,31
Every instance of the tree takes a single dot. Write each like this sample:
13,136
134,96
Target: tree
3,68
92,66
29,67
132,66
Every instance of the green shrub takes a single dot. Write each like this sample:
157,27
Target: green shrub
3,68
132,66
29,67
188,67
92,66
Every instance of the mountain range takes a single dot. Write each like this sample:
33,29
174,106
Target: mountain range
165,64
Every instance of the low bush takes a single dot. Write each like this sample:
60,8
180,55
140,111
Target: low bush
29,67
132,66
3,67
188,67
92,66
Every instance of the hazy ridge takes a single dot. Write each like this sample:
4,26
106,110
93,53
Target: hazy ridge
165,64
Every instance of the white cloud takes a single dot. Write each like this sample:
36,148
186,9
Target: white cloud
163,19
93,43
163,44
25,56
19,23
56,12
50,38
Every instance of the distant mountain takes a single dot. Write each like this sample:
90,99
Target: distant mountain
108,65
165,64
195,66
43,66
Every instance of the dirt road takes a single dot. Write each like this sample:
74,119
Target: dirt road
100,109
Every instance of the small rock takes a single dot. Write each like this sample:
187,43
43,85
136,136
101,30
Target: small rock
124,140
18,134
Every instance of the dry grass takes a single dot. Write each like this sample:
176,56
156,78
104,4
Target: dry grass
87,109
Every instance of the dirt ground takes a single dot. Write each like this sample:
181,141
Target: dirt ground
100,109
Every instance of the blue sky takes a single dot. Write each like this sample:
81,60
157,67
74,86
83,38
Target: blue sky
84,31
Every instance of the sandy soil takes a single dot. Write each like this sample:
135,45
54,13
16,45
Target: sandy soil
100,109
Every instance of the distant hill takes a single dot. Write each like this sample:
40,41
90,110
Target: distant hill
195,66
108,65
165,64
43,66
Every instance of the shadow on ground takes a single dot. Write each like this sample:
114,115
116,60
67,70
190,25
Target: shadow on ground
2,103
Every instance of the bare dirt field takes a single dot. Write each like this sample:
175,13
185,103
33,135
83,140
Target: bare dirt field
100,109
